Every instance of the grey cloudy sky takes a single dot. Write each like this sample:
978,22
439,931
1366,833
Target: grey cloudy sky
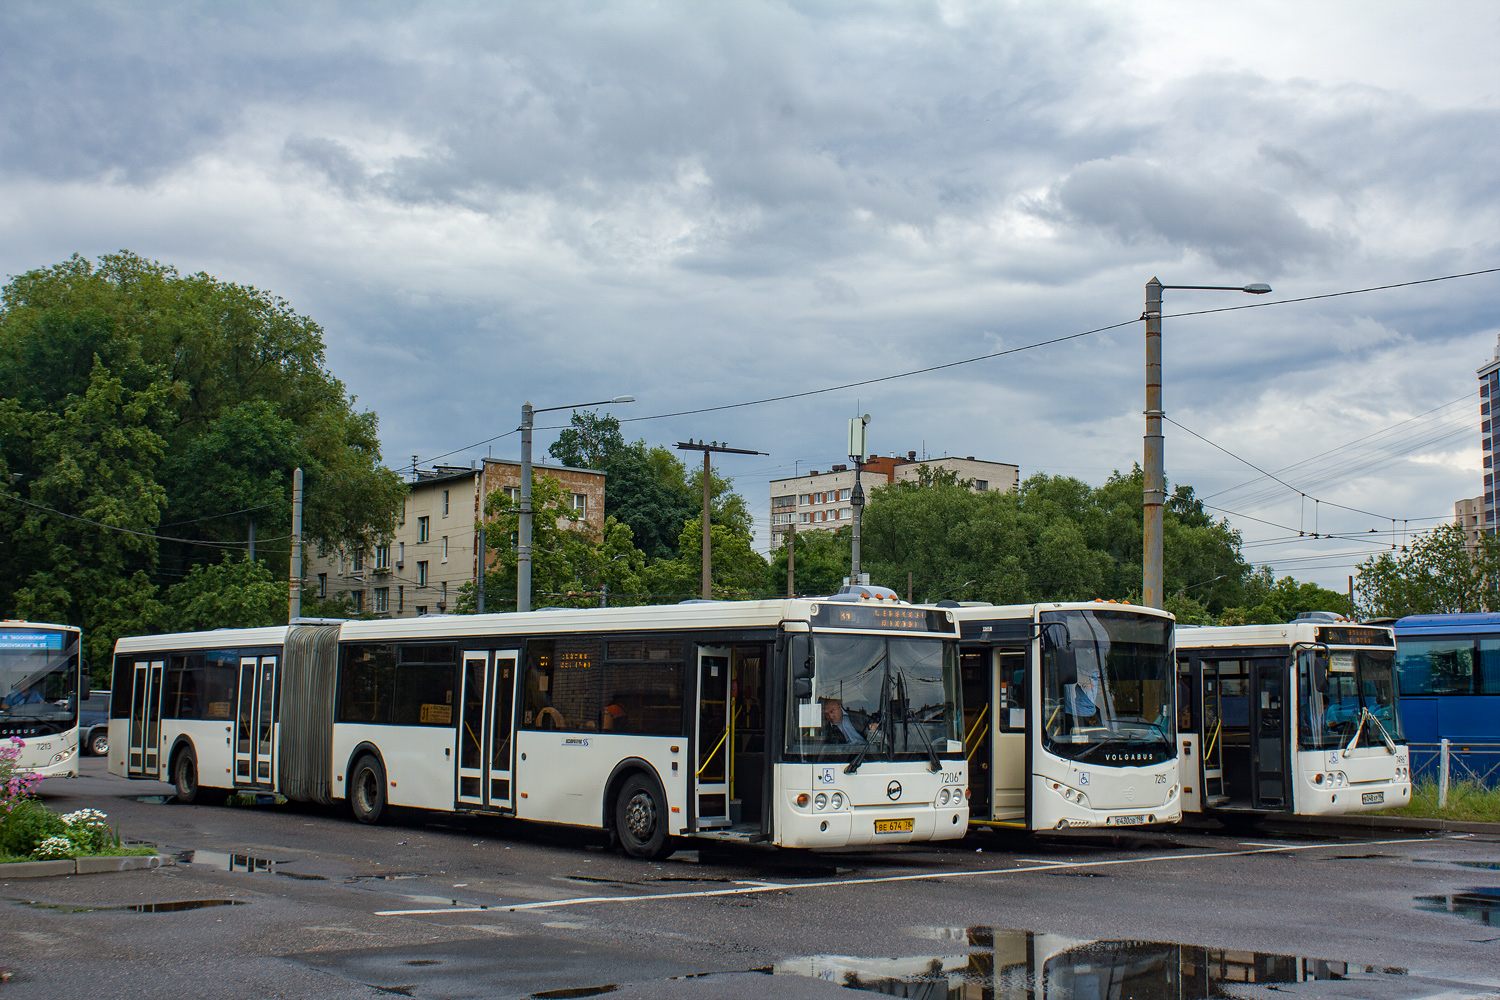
702,204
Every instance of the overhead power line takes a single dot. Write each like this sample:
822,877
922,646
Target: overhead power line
141,534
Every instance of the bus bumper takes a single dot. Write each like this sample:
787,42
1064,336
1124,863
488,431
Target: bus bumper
1366,796
64,764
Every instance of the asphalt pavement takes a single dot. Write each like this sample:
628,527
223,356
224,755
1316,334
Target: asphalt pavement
296,901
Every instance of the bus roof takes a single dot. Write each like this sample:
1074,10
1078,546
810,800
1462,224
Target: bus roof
1476,621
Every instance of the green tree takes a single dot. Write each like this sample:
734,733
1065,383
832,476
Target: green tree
170,405
590,442
822,562
1272,602
736,572
236,593
1436,573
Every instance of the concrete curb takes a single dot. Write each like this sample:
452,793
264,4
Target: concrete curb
83,866
1393,823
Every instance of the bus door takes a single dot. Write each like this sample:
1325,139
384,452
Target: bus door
253,739
980,705
713,737
748,776
1268,731
145,719
485,726
1008,800
1211,717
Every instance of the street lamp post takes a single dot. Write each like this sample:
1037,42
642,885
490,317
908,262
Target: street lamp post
1155,462
523,529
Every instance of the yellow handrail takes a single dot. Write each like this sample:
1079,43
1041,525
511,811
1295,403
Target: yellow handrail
976,747
978,721
722,740
1213,742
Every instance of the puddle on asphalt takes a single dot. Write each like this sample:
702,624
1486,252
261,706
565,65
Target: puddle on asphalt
1076,874
242,863
1354,857
1012,965
172,907
424,961
1485,865
1479,905
439,900
586,991
155,800
384,877
606,881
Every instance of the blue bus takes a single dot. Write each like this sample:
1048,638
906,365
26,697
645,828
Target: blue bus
1449,670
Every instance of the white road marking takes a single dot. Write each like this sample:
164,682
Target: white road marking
876,880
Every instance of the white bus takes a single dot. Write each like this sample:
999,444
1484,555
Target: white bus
1068,715
1299,718
41,685
806,723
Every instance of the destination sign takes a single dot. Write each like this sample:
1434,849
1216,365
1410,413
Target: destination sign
31,640
1344,636
893,618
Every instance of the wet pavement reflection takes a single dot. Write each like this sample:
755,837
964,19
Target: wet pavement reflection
1479,905
994,964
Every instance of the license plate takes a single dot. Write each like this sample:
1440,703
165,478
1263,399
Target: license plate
1128,820
895,825
1372,798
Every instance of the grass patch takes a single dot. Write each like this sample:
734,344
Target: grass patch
1467,801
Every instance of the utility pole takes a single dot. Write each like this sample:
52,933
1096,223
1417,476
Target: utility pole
791,558
708,449
523,530
294,579
857,453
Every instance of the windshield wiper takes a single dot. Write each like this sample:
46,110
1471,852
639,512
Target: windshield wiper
1365,715
906,718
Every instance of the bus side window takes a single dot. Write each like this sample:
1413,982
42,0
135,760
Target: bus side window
119,699
1187,716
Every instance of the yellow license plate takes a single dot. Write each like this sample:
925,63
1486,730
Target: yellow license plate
895,825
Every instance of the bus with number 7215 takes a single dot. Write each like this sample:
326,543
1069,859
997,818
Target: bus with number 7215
799,723
42,684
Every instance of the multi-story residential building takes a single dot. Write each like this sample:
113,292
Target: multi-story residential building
821,500
1469,514
433,551
1489,392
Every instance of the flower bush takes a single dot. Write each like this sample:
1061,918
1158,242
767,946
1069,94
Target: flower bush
89,831
15,786
55,848
29,831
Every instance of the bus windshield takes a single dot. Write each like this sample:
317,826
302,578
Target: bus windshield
1358,679
1107,685
38,681
875,696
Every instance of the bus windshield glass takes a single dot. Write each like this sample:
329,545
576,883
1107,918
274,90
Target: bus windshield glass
1107,686
1357,679
38,681
878,697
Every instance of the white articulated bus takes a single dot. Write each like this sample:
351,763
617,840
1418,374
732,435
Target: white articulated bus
41,687
1068,715
802,723
1299,718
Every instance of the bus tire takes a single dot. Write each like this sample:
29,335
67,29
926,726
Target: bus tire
185,778
367,796
99,741
641,818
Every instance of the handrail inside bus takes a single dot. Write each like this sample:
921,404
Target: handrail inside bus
1218,724
970,735
722,740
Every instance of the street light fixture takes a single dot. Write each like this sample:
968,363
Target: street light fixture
523,533
1155,469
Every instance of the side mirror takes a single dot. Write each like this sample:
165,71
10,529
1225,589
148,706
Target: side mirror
86,687
1320,673
802,687
1067,664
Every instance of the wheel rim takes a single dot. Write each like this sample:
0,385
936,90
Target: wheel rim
367,791
187,778
640,816
101,746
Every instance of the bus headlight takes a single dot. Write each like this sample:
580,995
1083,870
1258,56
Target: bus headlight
943,797
838,800
820,800
60,757
1072,795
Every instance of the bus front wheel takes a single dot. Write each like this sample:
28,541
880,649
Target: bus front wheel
641,818
367,790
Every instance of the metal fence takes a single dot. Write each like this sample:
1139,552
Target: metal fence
1447,772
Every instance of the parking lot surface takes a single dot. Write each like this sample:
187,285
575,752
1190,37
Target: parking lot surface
281,900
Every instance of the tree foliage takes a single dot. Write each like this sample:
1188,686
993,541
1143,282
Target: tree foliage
161,404
822,562
1269,601
1436,573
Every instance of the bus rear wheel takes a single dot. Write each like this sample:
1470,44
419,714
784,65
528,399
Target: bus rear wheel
367,790
641,818
185,778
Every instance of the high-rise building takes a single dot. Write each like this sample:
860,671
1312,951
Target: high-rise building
1489,390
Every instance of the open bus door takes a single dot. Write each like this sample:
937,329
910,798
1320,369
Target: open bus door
143,760
994,693
1244,731
485,749
713,737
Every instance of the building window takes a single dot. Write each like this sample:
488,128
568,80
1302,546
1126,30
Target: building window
445,595
843,494
445,548
400,553
979,484
803,499
580,503
513,493
804,517
358,562
400,599
382,557
358,596
421,609
445,503
422,573
424,529
323,585
382,599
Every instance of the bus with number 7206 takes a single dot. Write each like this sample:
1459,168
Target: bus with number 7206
798,723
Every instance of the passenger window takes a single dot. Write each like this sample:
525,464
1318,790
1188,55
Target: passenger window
563,680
